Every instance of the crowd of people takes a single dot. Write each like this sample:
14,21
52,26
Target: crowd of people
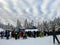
17,34
20,34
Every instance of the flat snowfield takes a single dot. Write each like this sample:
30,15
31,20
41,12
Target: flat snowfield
30,41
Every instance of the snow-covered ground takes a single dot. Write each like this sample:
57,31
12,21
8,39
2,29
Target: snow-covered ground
30,41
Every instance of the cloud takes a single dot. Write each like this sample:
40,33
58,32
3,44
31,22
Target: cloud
31,9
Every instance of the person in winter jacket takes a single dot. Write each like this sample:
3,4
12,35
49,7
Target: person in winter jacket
21,34
24,35
29,34
34,34
2,34
54,34
55,37
37,33
7,34
13,34
16,35
41,34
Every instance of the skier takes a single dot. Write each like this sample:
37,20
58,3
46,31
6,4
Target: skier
54,34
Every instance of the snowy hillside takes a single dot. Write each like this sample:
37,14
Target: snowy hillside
29,41
11,10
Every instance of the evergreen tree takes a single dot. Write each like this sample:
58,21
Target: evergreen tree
19,24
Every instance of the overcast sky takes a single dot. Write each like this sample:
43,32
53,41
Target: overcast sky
32,9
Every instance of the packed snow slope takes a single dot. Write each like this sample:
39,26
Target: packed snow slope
11,10
30,41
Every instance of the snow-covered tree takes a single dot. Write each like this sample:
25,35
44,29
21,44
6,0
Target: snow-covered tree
19,24
26,24
45,26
